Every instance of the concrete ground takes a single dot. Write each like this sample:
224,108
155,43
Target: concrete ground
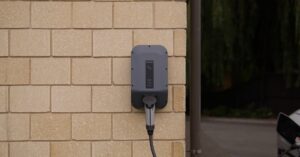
236,138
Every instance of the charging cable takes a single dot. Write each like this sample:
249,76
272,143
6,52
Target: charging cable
149,103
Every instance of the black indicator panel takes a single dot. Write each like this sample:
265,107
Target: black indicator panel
149,74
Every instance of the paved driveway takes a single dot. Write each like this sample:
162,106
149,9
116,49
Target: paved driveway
238,138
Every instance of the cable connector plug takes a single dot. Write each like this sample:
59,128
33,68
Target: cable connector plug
149,102
150,129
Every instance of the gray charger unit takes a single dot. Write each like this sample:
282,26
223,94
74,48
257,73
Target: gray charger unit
149,75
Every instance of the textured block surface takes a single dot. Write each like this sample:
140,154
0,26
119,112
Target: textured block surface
3,99
179,98
14,14
91,126
3,149
124,126
71,99
155,37
162,148
29,149
29,98
112,149
166,125
72,42
180,42
111,99
18,127
170,15
51,14
122,71
178,149
92,15
51,127
133,15
3,42
14,71
91,71
50,71
3,127
30,43
169,106
121,39
176,70
70,149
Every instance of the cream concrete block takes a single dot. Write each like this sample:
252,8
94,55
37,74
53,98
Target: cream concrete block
180,42
14,127
29,99
51,14
18,126
3,99
122,71
91,126
133,15
169,106
178,149
50,126
70,149
125,126
50,71
3,42
162,148
3,149
170,14
129,126
14,14
112,42
3,127
113,0
30,43
111,99
176,72
112,149
14,71
92,14
71,99
72,42
155,37
91,71
167,123
179,98
29,149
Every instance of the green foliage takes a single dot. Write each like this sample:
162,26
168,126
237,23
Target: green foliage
249,38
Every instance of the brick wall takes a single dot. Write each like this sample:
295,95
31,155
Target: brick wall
65,78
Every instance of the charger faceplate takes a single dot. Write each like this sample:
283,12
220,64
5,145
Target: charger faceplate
149,74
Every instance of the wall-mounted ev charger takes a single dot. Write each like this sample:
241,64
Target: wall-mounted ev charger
149,81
